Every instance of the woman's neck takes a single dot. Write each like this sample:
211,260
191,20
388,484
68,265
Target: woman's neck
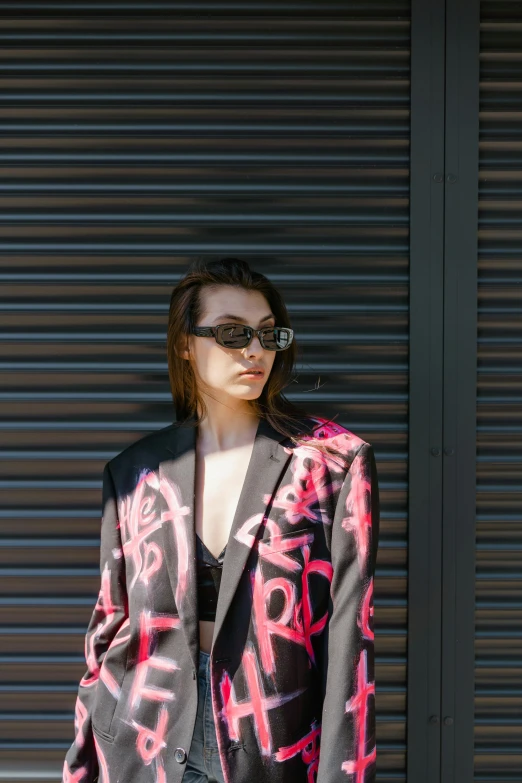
227,429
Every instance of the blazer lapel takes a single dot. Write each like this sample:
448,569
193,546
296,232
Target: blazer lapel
177,477
267,463
177,482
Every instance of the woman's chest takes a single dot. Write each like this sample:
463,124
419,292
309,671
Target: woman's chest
220,477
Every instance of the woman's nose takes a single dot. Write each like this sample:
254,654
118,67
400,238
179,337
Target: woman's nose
255,348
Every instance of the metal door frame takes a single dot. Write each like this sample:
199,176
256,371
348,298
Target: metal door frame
443,389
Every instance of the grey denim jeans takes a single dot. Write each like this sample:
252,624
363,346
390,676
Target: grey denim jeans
203,762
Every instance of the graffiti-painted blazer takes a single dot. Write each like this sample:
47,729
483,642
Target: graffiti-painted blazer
292,662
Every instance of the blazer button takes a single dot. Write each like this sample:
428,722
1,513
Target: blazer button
180,755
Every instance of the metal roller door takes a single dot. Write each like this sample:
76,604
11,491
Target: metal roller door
498,643
135,135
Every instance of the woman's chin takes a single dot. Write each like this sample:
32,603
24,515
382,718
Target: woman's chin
246,391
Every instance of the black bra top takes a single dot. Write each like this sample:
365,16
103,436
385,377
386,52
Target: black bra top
209,579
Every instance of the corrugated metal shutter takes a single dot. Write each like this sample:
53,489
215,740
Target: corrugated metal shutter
498,724
135,135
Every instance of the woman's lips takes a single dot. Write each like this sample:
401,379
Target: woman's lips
252,375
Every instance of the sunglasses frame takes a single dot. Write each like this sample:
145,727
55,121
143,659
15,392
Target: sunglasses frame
212,331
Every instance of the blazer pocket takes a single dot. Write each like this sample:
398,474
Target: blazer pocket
102,734
283,541
110,690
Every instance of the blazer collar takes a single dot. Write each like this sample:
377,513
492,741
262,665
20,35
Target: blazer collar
267,464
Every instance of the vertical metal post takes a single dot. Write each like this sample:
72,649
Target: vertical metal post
460,384
426,389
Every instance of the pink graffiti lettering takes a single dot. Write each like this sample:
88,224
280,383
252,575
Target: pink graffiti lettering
110,683
295,621
153,560
311,484
150,743
105,676
146,661
174,514
256,706
358,520
358,706
266,626
105,606
102,762
340,439
73,777
309,627
243,535
138,520
367,612
80,716
308,747
278,549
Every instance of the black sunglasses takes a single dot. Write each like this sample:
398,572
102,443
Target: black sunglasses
272,338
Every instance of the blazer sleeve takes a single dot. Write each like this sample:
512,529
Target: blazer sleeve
348,747
109,613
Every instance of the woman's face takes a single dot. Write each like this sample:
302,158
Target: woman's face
218,369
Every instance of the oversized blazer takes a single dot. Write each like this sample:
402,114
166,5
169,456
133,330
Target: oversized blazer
292,661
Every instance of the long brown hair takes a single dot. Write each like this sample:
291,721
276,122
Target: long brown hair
184,313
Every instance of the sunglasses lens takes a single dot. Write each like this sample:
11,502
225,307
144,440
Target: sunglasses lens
234,336
276,339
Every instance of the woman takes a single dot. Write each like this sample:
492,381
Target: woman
232,638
